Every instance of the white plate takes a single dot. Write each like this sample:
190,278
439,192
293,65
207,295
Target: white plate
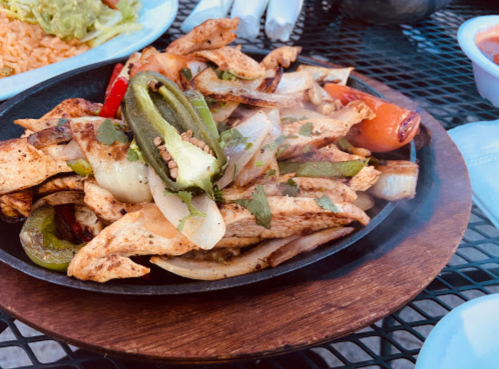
156,16
466,338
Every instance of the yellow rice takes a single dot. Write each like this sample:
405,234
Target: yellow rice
25,46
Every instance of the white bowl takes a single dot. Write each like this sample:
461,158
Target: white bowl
466,338
486,72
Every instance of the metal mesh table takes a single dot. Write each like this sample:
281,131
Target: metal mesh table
423,61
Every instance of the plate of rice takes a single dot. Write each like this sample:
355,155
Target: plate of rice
29,55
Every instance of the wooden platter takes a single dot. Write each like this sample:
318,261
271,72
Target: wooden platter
324,301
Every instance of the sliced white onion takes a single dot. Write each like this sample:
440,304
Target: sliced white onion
126,180
223,110
251,261
206,231
196,67
294,82
71,151
364,201
263,157
308,243
255,129
397,181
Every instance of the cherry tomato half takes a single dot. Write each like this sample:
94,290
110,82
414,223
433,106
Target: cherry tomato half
392,128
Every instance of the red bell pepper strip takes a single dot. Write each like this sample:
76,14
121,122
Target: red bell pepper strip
116,71
67,211
113,102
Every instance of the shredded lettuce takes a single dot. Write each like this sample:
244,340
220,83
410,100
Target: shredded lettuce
88,21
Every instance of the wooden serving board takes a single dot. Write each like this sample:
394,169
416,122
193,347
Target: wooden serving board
324,301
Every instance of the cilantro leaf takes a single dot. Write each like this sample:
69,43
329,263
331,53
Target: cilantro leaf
233,137
306,129
219,195
108,133
259,164
326,203
62,121
186,198
274,145
258,206
290,188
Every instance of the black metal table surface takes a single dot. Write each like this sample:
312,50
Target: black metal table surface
423,61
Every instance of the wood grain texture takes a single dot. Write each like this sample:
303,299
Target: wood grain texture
327,300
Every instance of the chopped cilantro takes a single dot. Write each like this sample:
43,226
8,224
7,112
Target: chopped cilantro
233,137
290,137
274,145
187,73
259,164
186,198
270,172
306,129
108,133
258,206
326,203
290,188
62,121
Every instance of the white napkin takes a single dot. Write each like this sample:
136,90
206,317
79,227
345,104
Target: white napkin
281,18
479,144
249,13
206,9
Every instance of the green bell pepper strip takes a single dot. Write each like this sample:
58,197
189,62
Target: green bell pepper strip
39,240
165,112
324,169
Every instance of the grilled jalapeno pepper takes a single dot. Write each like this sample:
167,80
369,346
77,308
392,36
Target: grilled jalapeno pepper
323,168
155,107
39,240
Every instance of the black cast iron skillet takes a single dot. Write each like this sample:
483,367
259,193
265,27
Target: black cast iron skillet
89,83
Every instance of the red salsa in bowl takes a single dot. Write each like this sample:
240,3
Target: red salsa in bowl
488,43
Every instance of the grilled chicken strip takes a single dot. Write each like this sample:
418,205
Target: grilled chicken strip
105,205
17,204
311,134
290,216
282,56
234,61
365,179
329,153
209,35
22,165
70,108
67,183
308,187
144,232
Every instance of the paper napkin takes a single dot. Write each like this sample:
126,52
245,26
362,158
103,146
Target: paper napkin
249,13
206,9
479,144
281,18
